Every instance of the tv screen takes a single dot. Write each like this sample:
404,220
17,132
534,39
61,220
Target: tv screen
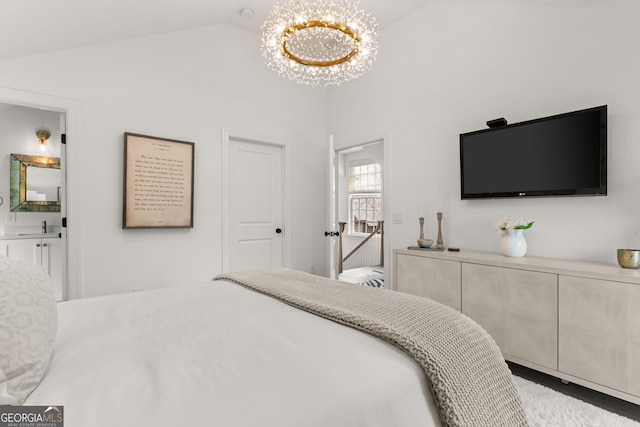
562,155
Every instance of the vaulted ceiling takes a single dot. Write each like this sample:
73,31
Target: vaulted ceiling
29,27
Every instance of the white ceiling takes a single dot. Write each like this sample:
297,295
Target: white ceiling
29,27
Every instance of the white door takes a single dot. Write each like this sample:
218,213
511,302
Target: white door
255,208
53,261
332,226
24,250
58,249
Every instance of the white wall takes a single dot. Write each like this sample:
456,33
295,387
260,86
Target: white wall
449,67
186,86
445,69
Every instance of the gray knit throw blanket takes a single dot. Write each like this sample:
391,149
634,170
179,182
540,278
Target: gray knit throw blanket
469,379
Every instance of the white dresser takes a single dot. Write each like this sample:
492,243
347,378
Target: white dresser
579,321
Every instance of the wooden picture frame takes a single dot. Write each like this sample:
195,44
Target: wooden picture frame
22,165
158,182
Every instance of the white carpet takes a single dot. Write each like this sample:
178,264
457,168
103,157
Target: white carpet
548,408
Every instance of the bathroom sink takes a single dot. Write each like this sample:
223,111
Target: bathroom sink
37,235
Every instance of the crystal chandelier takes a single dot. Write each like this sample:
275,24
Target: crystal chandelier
319,42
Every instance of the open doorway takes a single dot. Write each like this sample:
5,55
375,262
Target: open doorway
360,213
32,187
70,125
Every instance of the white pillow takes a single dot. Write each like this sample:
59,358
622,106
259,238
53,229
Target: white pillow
373,283
27,328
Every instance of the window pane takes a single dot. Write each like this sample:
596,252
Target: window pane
365,200
365,212
365,178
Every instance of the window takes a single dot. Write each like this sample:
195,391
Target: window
365,197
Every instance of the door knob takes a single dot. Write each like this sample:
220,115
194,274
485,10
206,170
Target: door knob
278,230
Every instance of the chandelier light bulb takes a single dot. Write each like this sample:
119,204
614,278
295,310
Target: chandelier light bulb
319,42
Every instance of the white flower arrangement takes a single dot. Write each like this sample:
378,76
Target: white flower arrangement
506,223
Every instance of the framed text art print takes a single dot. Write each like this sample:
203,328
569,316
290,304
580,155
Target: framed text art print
158,182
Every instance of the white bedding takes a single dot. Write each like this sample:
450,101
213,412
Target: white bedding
216,354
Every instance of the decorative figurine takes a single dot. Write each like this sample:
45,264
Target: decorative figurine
422,242
439,243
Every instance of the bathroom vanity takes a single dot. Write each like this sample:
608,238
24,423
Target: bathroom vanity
43,249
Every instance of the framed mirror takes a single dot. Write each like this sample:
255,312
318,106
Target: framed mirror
35,183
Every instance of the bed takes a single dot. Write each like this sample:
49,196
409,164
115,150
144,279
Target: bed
235,352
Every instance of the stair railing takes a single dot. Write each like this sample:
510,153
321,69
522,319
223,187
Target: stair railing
379,229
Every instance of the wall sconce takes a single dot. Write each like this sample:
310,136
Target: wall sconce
43,135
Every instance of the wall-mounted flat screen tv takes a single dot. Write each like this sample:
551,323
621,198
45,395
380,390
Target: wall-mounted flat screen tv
562,155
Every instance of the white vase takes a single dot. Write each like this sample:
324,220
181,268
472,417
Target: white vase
513,243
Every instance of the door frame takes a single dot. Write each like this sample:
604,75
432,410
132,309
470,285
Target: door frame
71,288
286,195
332,224
386,195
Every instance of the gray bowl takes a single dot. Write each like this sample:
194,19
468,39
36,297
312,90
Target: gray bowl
425,243
629,258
